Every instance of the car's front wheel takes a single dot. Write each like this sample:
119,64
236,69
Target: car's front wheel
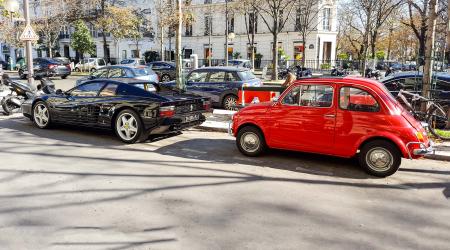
380,158
250,141
22,75
165,78
41,115
64,77
128,126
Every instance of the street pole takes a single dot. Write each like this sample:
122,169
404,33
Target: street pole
178,64
226,32
209,38
429,52
28,47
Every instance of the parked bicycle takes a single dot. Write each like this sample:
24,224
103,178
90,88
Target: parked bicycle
435,114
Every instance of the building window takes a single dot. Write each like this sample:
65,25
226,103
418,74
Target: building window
135,53
93,31
230,23
298,19
253,19
208,1
188,29
208,25
326,24
124,54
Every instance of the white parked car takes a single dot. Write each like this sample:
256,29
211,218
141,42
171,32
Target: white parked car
90,64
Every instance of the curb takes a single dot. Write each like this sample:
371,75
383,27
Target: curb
438,157
211,129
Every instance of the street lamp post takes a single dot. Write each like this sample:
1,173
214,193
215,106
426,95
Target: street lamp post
28,46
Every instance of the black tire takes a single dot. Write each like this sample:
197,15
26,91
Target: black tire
165,78
77,70
22,75
93,70
64,77
6,106
370,154
138,135
229,102
438,123
35,118
253,136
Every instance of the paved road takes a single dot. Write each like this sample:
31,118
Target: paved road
64,84
66,188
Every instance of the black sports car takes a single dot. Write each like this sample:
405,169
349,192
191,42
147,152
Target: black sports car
133,110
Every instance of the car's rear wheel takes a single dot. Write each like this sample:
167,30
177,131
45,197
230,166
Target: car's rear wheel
64,77
93,70
77,69
250,141
229,102
165,78
380,158
41,115
128,126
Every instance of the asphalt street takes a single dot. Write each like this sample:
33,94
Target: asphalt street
69,188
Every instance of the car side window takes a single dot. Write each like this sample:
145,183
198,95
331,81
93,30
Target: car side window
115,73
101,73
109,90
231,77
87,90
355,99
292,98
316,96
128,73
217,76
197,77
101,62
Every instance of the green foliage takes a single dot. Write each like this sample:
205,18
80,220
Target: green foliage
325,66
343,56
81,39
380,55
258,56
236,55
282,54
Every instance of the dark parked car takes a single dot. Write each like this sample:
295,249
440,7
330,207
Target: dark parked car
133,111
46,67
221,84
165,70
412,81
122,73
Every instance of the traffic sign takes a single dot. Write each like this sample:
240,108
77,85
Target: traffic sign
28,34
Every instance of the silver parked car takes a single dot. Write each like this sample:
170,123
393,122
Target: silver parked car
123,73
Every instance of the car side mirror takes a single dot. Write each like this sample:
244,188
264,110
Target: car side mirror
59,92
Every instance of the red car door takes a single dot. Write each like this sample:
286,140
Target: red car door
305,119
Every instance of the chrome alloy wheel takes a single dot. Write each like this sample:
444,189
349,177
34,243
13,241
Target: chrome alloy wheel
127,126
41,115
250,142
379,159
230,103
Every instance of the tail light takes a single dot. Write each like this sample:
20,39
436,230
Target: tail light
167,111
206,104
51,66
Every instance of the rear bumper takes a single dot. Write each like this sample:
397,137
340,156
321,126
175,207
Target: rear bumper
419,152
170,125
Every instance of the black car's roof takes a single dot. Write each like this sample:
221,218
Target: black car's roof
125,66
222,68
411,74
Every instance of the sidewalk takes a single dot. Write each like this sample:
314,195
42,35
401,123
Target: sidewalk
442,151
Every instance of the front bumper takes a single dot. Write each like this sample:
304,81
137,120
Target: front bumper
230,128
422,151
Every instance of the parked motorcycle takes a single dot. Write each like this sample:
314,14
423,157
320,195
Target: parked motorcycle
338,71
373,73
21,92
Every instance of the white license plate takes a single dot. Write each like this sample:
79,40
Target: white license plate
191,118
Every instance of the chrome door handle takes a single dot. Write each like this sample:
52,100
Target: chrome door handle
330,116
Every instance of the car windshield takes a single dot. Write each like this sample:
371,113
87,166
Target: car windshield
63,60
246,75
145,86
141,71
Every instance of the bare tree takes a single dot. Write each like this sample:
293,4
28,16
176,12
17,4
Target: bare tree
306,20
249,9
275,14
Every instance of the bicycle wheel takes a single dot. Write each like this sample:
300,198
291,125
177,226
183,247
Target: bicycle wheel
438,122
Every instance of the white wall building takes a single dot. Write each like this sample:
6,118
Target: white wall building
320,44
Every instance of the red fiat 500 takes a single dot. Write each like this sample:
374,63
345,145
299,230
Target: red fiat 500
341,117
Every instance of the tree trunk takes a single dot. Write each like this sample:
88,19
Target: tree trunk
429,48
50,54
275,57
105,47
304,48
162,43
